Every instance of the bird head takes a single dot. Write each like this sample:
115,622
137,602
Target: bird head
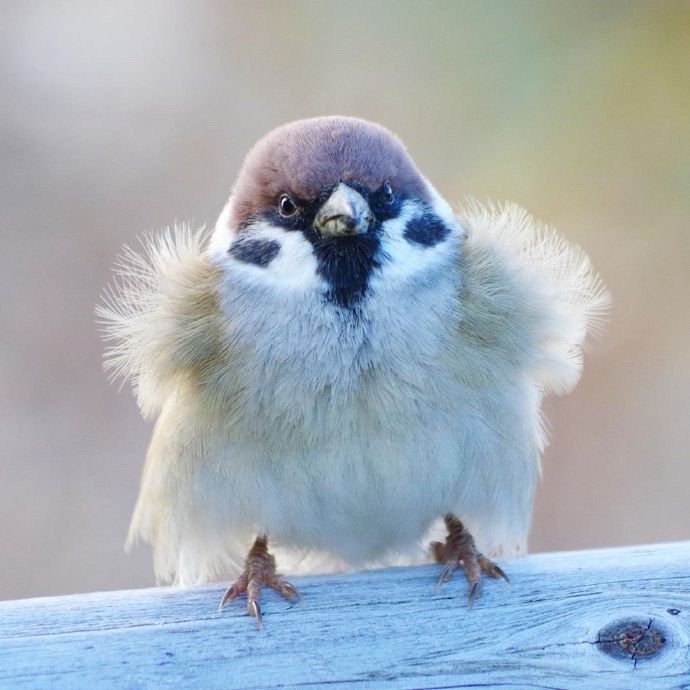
333,204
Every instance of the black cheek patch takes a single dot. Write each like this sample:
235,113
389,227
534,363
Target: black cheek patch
427,230
255,251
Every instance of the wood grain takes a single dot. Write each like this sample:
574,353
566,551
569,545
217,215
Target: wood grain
616,618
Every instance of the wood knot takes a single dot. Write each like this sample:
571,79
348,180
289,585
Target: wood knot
631,638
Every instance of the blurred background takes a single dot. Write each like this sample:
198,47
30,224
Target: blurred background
122,117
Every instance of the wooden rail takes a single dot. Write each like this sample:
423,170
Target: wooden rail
615,618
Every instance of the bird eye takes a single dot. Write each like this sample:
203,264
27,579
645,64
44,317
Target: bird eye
387,193
286,206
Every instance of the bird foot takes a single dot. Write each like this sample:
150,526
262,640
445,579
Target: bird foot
459,550
259,570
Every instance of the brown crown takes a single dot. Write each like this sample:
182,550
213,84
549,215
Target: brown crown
305,157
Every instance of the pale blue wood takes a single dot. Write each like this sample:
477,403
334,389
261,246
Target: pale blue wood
376,629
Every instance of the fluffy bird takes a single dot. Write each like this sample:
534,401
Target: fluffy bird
343,363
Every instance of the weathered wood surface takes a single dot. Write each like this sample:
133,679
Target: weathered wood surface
376,629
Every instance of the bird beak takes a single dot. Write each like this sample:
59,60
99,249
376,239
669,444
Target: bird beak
345,213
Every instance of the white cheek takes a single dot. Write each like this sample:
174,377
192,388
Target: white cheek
443,210
406,259
293,269
295,266
222,235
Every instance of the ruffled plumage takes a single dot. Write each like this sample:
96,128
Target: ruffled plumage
529,294
527,300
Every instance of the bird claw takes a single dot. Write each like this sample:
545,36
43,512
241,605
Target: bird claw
459,550
497,572
230,595
445,576
259,571
475,592
254,609
286,590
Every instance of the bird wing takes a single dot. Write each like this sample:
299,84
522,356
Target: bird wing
161,316
165,331
526,302
528,299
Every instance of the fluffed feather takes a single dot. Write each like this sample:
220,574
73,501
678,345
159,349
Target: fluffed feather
526,301
528,294
161,317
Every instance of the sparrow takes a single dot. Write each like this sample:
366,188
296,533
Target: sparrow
343,363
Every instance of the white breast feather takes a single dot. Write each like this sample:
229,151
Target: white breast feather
346,439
